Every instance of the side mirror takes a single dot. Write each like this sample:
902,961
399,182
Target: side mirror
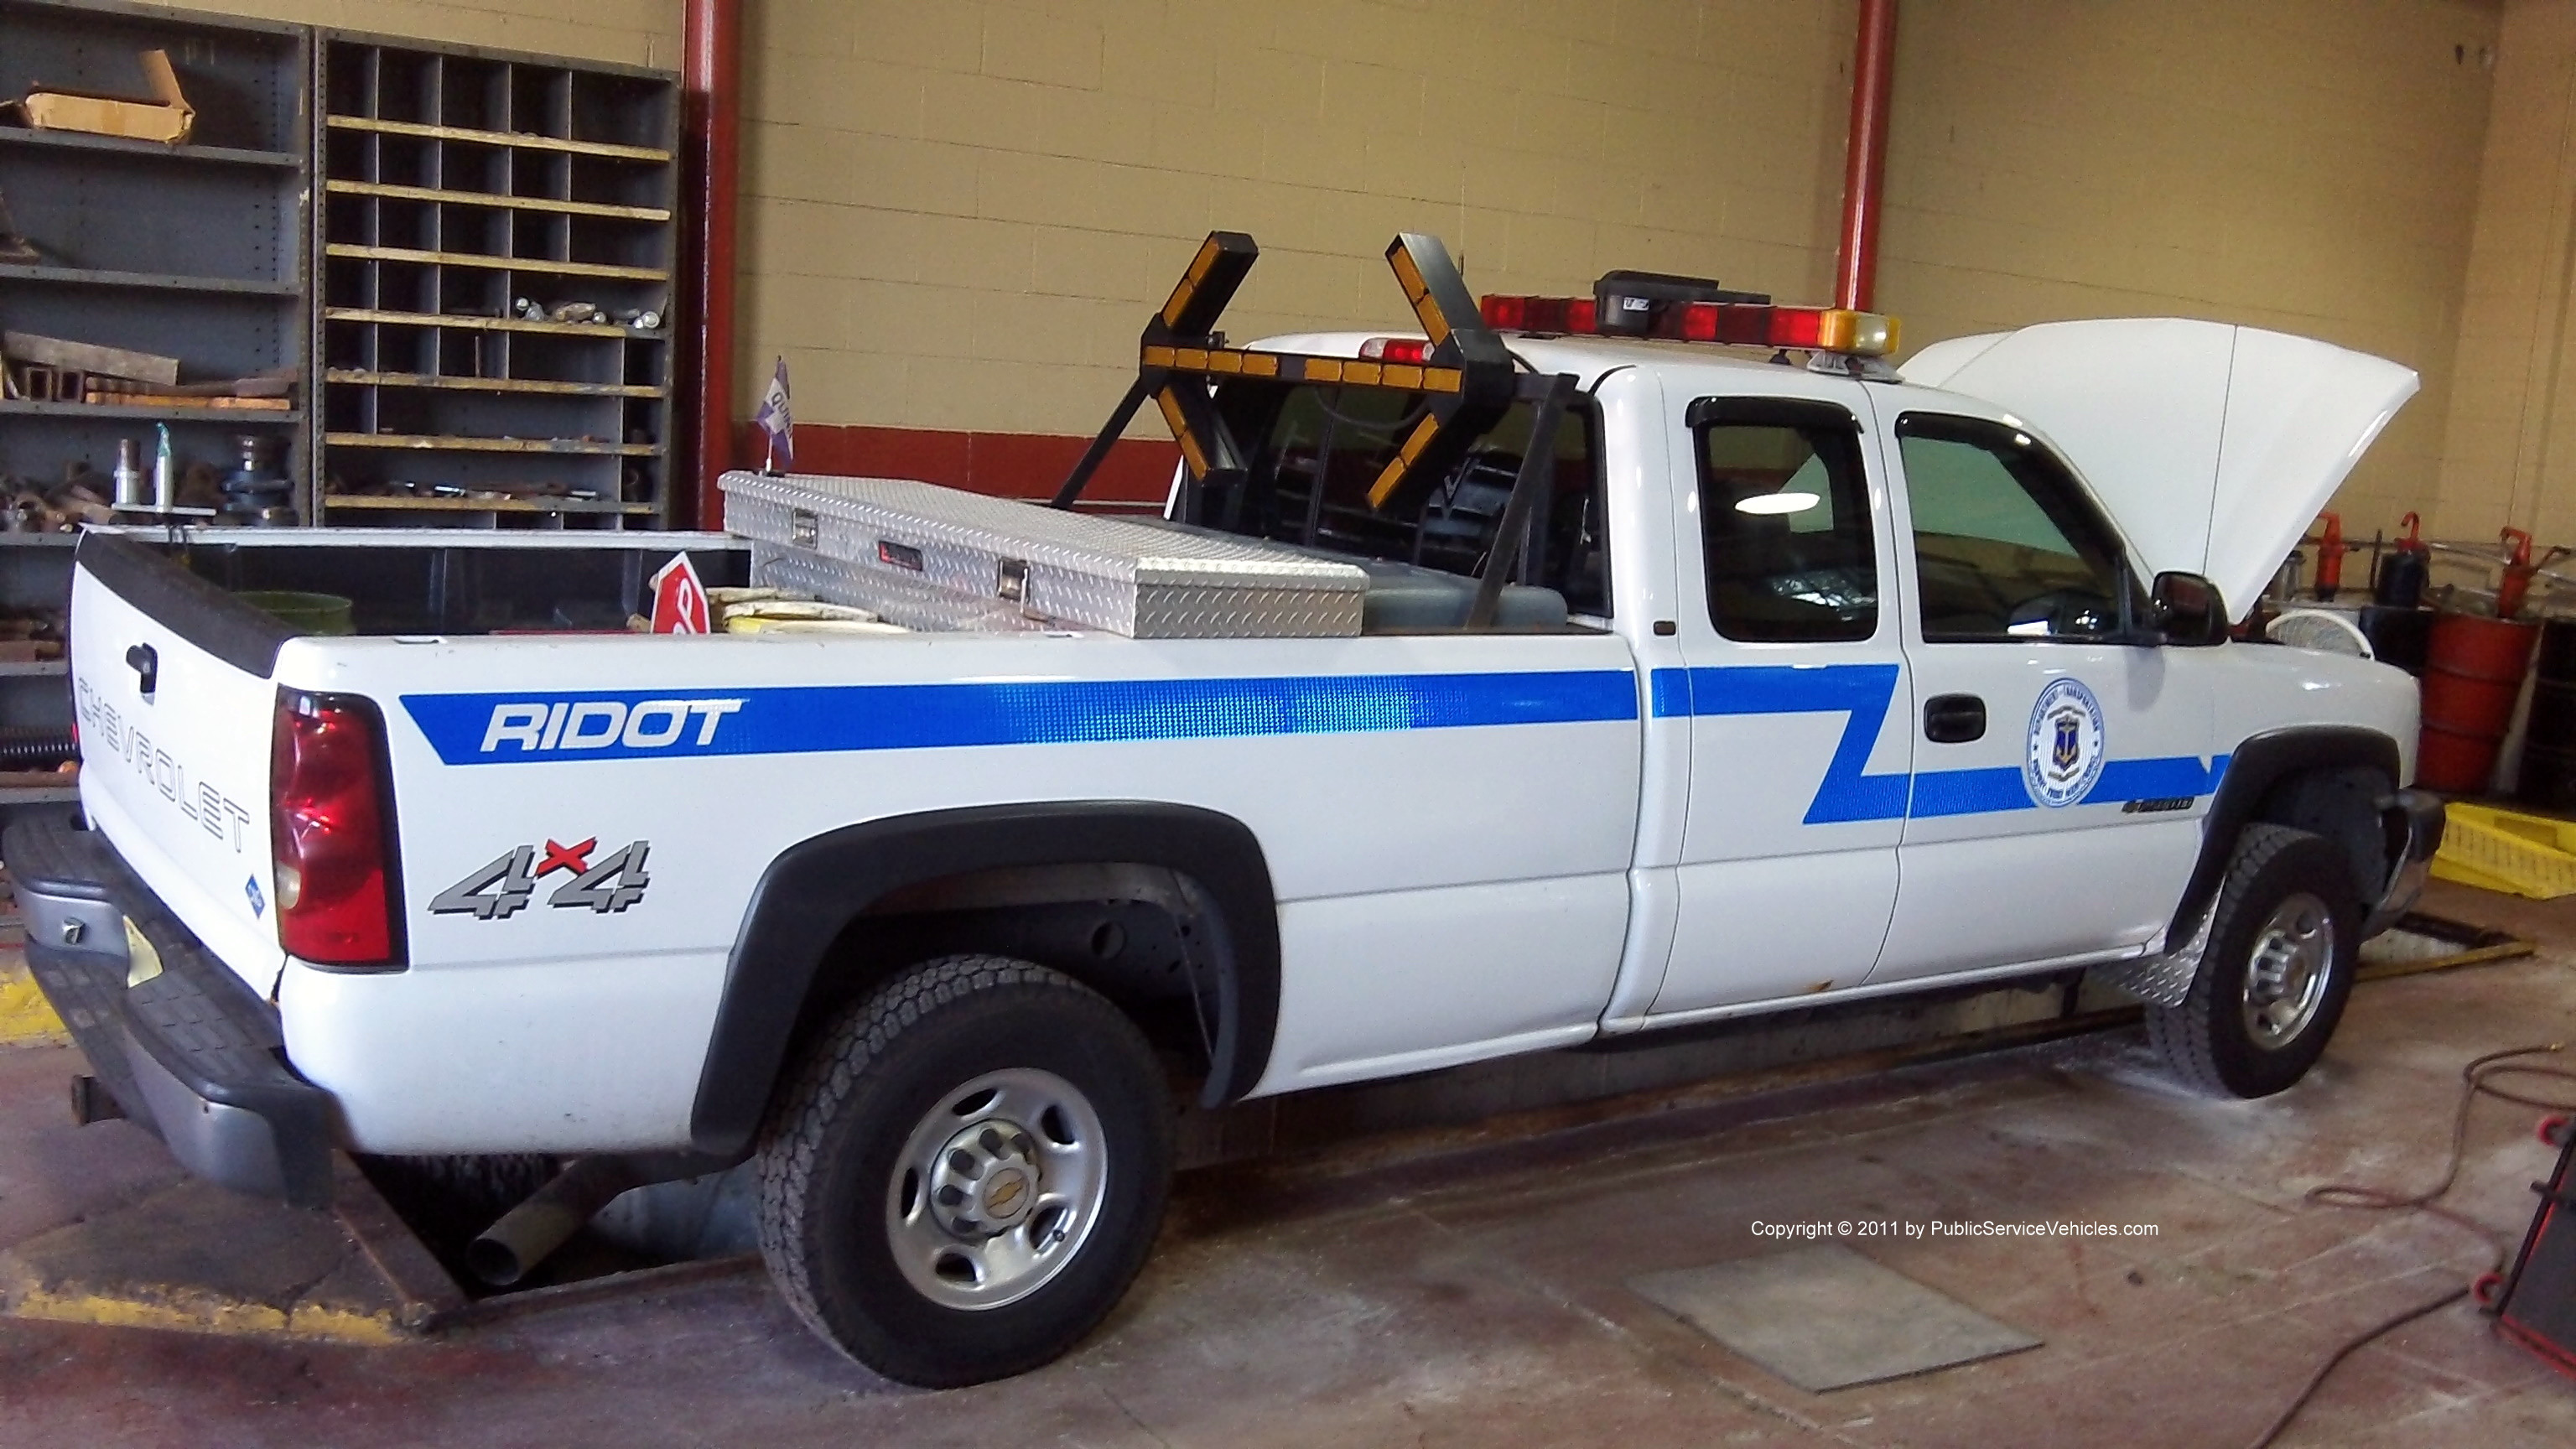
2188,610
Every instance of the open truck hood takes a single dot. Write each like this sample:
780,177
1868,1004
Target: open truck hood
2212,445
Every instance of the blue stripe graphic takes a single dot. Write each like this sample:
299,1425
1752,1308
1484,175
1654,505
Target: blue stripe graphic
1971,792
1862,693
502,728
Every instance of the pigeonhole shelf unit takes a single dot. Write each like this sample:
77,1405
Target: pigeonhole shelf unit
192,250
497,250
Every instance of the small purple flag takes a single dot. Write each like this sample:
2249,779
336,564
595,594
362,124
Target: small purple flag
774,421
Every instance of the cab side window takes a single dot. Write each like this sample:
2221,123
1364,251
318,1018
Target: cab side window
2006,544
1784,521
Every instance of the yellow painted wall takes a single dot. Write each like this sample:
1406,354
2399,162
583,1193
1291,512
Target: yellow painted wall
2510,449
966,210
958,213
2305,165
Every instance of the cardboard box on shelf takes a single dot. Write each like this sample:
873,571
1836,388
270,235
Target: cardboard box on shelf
166,116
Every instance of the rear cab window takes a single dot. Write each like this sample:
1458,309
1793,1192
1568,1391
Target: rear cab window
1312,452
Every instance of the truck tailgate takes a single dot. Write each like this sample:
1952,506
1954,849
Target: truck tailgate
171,681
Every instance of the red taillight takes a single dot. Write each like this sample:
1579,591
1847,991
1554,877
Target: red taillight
331,831
1412,350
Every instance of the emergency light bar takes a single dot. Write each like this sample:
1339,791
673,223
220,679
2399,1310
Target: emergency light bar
1752,324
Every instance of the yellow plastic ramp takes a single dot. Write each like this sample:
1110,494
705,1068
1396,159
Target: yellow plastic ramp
2501,850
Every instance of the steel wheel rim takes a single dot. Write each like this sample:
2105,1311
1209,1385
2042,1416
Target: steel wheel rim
2287,971
997,1189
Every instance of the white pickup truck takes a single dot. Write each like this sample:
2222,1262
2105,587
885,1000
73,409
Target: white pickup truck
1673,681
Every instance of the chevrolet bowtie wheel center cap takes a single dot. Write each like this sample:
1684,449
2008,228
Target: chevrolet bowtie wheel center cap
986,1180
997,1188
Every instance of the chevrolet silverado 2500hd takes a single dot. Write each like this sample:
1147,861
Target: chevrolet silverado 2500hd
1553,672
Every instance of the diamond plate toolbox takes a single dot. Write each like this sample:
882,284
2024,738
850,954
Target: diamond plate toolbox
902,540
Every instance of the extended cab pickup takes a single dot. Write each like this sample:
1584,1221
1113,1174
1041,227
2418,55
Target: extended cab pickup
1801,682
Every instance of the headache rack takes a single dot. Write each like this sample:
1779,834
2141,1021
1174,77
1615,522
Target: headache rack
1464,375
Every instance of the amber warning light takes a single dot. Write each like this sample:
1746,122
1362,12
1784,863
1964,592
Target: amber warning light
1750,324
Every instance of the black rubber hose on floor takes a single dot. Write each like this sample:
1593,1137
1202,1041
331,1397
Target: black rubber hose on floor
2477,1080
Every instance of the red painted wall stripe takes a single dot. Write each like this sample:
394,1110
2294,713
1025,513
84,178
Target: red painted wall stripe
1138,471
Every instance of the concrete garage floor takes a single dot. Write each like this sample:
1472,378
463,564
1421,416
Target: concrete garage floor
1472,1292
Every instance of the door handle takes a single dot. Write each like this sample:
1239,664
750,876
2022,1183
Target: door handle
1954,719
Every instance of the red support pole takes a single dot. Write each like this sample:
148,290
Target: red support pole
1865,154
711,45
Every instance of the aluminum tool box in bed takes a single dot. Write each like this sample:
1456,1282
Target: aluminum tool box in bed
936,558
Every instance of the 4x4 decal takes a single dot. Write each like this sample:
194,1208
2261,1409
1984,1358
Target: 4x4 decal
503,886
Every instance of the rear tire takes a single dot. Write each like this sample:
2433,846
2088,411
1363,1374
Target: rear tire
2277,971
967,1173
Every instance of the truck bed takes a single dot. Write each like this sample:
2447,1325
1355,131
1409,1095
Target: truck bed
440,581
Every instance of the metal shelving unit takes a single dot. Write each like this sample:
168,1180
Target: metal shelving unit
143,412
455,185
194,251
197,150
35,695
372,246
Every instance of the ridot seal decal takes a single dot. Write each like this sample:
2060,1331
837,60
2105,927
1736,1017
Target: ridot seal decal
2065,755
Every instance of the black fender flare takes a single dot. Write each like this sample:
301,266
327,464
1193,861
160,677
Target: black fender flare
817,887
2260,762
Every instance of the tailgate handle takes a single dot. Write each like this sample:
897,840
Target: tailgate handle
145,661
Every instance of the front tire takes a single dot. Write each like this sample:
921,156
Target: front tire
2278,968
968,1172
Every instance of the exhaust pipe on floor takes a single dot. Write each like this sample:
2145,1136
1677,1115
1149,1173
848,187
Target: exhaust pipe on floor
510,1249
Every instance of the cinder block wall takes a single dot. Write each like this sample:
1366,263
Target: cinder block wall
965,211
2510,448
2304,165
958,213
